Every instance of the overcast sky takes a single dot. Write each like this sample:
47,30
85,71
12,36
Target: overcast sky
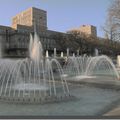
62,15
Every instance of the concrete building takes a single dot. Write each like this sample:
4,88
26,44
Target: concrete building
30,17
87,29
15,43
14,40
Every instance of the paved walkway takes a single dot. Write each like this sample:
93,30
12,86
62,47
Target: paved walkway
105,82
114,112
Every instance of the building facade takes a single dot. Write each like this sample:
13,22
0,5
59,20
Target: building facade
14,40
87,29
15,43
31,17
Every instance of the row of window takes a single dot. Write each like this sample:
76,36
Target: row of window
24,43
48,43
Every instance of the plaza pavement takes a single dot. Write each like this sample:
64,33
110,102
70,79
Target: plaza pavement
113,112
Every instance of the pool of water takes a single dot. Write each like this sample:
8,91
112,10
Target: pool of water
90,101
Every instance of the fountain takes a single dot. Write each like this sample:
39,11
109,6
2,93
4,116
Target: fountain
40,79
85,67
61,54
47,55
0,46
54,52
118,60
32,80
67,52
96,52
78,52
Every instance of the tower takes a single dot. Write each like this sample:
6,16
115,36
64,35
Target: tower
30,17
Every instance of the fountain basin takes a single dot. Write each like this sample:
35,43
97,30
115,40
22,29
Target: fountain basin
29,87
38,100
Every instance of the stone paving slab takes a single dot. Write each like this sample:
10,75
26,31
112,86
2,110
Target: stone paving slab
91,101
108,83
114,112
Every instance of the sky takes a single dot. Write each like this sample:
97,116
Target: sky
62,15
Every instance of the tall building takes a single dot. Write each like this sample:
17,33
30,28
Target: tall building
87,29
32,17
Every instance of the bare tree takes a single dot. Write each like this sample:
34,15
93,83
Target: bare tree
112,25
61,40
86,44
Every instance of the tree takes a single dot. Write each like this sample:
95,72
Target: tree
112,25
61,40
77,40
86,44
